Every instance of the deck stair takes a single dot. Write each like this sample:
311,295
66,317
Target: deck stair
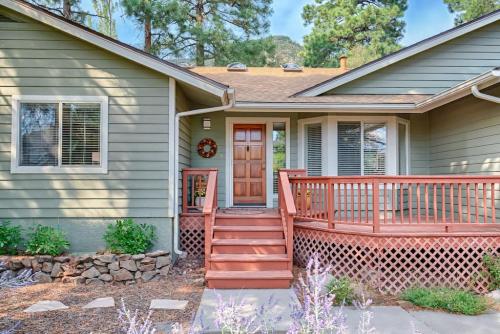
248,251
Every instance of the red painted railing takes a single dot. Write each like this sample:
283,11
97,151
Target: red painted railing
209,211
447,201
194,189
287,210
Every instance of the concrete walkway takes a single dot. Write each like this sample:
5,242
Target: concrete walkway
386,319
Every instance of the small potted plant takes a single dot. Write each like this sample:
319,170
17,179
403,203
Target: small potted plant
308,200
199,196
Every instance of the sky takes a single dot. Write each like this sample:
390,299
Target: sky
424,18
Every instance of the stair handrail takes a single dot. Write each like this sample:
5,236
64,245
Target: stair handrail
209,211
287,209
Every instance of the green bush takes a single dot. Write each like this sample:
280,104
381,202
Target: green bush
456,301
343,290
126,236
47,240
10,238
492,264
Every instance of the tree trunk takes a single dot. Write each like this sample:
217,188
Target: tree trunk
200,46
67,9
147,33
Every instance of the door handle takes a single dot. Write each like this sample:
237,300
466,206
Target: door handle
248,148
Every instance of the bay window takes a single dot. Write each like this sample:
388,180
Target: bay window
59,134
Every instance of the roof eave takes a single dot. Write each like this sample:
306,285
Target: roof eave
117,47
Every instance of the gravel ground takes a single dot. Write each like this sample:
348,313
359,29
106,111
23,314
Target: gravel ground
184,282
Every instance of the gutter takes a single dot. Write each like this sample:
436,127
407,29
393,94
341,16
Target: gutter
479,95
228,98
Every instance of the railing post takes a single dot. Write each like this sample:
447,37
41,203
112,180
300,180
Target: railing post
184,191
376,205
331,211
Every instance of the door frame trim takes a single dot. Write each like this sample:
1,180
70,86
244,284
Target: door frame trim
268,121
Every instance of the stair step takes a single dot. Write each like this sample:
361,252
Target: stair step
248,246
248,232
247,221
269,279
249,262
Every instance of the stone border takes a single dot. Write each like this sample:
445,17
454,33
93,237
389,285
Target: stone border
97,269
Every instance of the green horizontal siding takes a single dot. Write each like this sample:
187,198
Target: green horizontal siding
436,69
38,60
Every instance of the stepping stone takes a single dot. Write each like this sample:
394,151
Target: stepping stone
252,299
46,305
168,304
447,323
101,303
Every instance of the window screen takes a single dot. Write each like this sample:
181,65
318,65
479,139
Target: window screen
81,133
313,147
279,151
374,145
349,148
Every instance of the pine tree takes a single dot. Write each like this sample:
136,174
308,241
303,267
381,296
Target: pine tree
106,23
69,9
340,25
467,10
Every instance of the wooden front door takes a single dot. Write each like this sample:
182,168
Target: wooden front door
249,164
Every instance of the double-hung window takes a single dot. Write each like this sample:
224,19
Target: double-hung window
362,148
59,134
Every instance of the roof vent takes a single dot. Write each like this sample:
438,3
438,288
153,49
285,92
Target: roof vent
291,67
237,67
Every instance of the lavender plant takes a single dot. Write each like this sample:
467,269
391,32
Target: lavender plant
131,324
365,326
316,314
9,280
12,329
230,318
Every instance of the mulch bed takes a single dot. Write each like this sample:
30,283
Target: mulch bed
185,281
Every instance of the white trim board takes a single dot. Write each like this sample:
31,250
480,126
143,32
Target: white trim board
268,121
407,52
14,150
116,47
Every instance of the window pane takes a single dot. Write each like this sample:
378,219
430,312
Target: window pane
349,148
402,161
279,151
81,134
39,134
313,154
375,142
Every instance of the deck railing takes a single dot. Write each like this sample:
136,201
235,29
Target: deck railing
451,202
209,211
194,189
287,210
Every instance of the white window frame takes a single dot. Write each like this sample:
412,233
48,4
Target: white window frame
268,121
15,168
406,123
330,149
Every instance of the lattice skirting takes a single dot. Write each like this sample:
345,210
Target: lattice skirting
394,263
192,235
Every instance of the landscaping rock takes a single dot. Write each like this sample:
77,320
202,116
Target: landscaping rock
106,258
62,259
157,253
56,270
129,265
114,266
101,302
94,281
8,274
106,277
164,271
88,265
26,262
137,257
83,259
130,282
148,275
16,265
146,267
47,267
147,260
35,265
137,275
122,275
124,257
46,305
44,258
42,277
168,304
162,261
102,269
92,272
100,263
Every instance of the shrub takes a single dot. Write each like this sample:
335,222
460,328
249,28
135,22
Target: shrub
492,264
10,238
126,236
343,290
456,301
47,240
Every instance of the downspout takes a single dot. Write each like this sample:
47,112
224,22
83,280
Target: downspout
175,202
479,95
